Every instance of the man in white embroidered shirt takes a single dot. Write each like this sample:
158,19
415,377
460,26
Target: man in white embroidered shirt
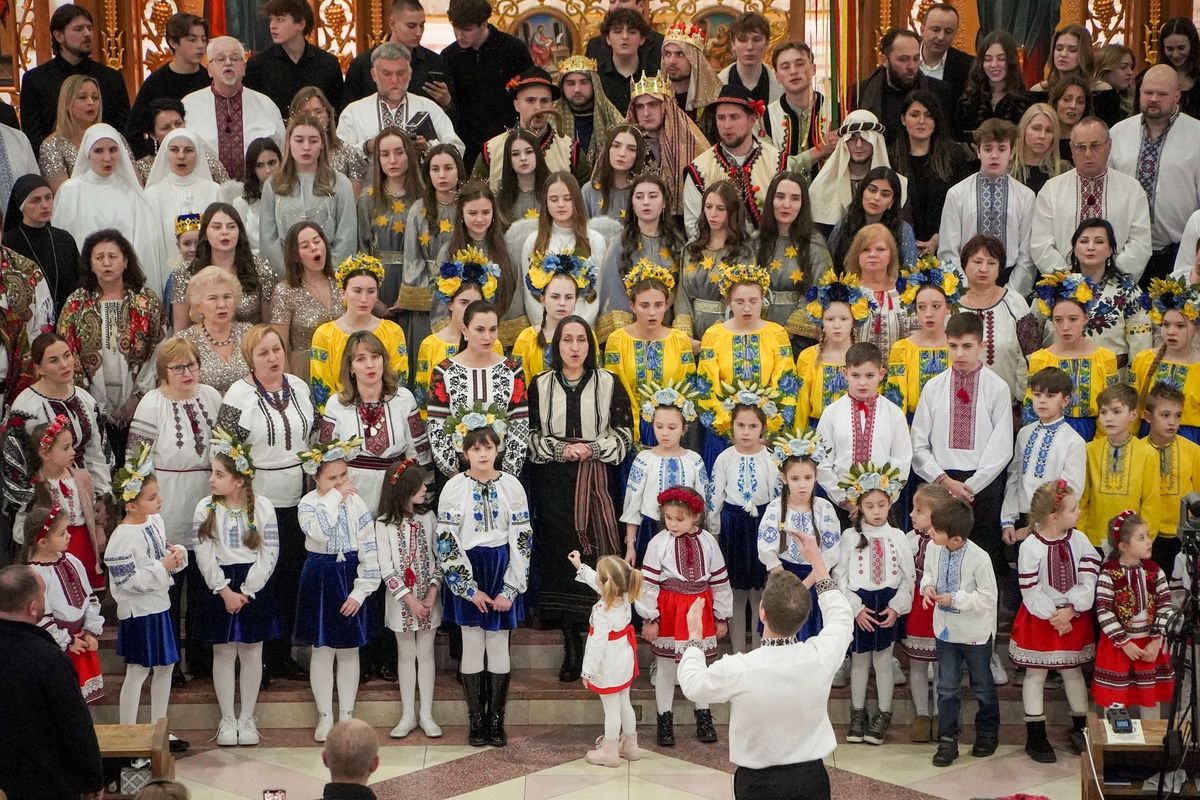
779,729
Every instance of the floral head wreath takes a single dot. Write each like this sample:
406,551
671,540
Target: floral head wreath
469,265
681,394
400,468
647,270
133,476
1171,294
226,444
359,262
870,476
55,511
475,418
928,271
56,426
833,288
683,494
1056,287
800,444
730,275
744,393
544,266
1061,487
1116,523
311,460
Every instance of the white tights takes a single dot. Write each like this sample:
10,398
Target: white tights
476,643
131,692
737,623
922,675
415,666
1035,686
224,666
665,672
618,715
860,671
320,677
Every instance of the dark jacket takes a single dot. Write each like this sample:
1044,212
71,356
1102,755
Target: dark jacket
360,84
347,791
958,66
273,73
649,54
484,107
39,95
47,738
878,96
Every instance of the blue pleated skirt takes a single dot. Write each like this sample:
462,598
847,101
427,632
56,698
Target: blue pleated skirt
258,621
1084,426
325,583
881,638
148,641
812,625
646,531
488,565
739,546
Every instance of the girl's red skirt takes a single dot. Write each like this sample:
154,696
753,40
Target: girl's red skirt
1118,679
1036,645
918,642
81,546
672,623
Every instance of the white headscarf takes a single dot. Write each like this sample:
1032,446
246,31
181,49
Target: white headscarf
830,191
170,195
161,171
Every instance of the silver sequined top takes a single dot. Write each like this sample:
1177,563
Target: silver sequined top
250,306
215,371
349,161
302,313
57,156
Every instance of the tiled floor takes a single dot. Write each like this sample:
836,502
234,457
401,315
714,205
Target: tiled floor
688,773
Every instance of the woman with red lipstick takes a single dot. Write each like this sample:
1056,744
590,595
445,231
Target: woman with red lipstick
307,297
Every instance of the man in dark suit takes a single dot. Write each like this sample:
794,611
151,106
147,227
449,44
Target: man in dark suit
883,92
939,58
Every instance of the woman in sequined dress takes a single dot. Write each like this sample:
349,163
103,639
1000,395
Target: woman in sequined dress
307,298
214,294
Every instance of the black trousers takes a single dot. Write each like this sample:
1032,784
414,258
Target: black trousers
285,581
1160,265
986,532
807,780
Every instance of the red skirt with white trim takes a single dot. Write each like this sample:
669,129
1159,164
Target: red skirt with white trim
91,679
1036,645
672,624
1119,679
918,642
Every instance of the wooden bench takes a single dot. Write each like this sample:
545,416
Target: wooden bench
138,741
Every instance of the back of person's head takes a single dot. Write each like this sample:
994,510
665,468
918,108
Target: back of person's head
964,323
462,13
161,789
1051,380
19,587
861,353
996,130
351,752
785,604
1120,393
953,518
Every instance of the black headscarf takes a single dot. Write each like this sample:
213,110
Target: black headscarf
24,186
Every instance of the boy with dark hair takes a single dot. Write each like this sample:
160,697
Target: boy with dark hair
625,31
1179,467
1122,472
292,62
187,36
960,586
749,34
649,54
798,120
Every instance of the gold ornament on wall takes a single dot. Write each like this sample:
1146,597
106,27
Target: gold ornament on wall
335,29
112,38
152,17
1105,19
1152,27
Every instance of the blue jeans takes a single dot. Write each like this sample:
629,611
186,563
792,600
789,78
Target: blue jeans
952,656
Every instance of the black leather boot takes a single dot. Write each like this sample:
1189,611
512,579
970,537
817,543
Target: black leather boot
569,673
473,690
495,732
666,729
705,730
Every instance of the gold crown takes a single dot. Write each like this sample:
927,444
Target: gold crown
649,84
185,223
576,63
685,33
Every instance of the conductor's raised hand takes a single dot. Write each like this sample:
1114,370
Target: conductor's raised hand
695,619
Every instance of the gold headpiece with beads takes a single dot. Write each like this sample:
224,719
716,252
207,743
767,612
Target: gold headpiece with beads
649,84
730,275
359,262
576,63
685,33
186,223
647,270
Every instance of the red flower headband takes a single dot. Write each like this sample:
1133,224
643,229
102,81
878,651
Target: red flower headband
1061,487
55,510
403,465
682,494
52,431
1118,522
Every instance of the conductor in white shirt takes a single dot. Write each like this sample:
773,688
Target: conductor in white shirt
779,728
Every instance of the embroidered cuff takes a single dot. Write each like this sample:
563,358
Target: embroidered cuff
825,585
595,447
693,643
509,592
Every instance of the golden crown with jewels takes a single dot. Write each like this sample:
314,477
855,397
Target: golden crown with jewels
650,84
576,63
685,33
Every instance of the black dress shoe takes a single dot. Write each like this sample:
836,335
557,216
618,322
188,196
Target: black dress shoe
178,679
178,745
388,673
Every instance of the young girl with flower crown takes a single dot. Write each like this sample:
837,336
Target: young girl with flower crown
342,555
1066,299
237,549
929,292
140,565
412,578
669,410
533,349
484,544
877,574
683,563
836,303
1174,308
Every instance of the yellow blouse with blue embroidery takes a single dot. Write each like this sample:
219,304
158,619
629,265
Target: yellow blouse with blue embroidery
763,357
634,360
532,357
821,383
1178,474
1090,375
1119,478
328,346
910,366
1184,377
433,351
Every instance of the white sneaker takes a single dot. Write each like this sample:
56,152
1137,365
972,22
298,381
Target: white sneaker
324,725
404,727
999,676
227,732
247,732
842,676
430,728
899,676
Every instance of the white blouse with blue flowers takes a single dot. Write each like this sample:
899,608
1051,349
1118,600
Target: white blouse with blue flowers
334,525
494,513
775,546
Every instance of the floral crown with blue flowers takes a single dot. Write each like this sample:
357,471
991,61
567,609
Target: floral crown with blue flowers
834,288
868,477
469,265
1171,294
1055,287
474,418
753,395
928,271
681,394
544,266
225,443
311,460
800,444
133,476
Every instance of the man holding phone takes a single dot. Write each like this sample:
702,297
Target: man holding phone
406,26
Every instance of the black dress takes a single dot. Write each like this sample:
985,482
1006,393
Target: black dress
52,249
927,192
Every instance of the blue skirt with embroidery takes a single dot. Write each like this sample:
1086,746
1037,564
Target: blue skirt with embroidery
739,546
1084,426
148,641
881,638
325,583
257,621
488,565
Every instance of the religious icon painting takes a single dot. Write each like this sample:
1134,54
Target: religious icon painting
549,35
715,22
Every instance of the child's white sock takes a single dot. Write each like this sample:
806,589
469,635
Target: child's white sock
1032,691
224,668
426,671
628,717
885,679
251,656
1076,689
347,680
664,684
406,670
918,684
496,645
131,692
612,715
320,677
860,673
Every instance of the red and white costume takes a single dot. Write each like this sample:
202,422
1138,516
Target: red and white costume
610,652
72,610
918,642
1132,605
677,570
1054,574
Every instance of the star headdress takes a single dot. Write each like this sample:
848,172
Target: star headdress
311,460
680,394
133,476
1055,287
870,476
730,275
359,262
834,288
647,270
544,266
475,418
469,265
1171,294
225,443
928,271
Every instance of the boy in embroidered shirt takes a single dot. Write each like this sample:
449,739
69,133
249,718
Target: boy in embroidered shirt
1122,472
960,586
858,427
1179,467
1045,450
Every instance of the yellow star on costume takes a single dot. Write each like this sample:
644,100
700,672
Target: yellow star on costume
398,226
623,213
796,276
707,262
775,264
381,221
714,277
531,214
664,254
424,238
444,226
790,252
397,206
